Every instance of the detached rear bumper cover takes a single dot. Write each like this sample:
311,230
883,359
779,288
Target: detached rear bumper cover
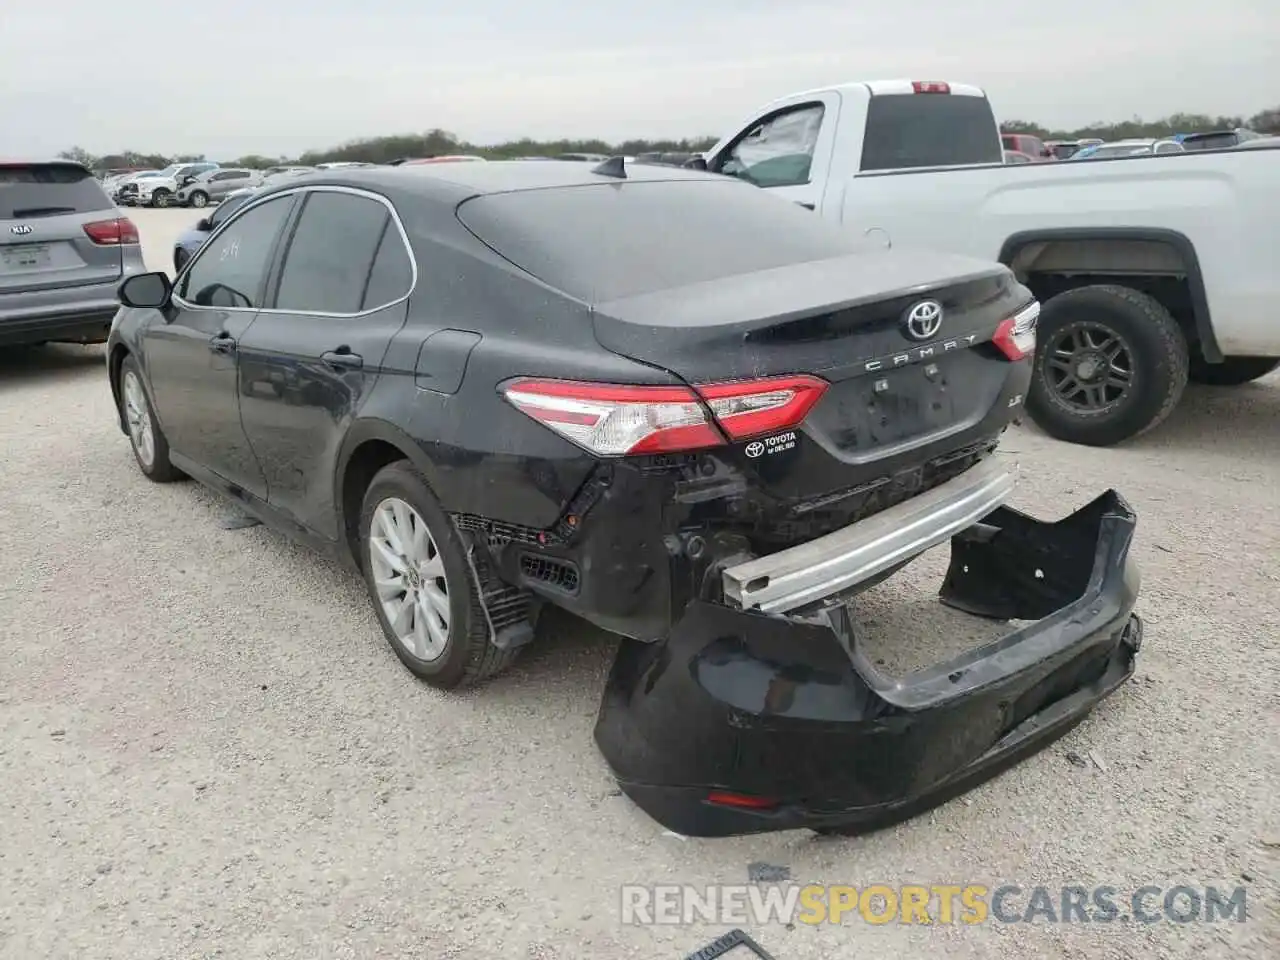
786,710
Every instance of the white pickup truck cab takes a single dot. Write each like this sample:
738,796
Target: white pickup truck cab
1151,269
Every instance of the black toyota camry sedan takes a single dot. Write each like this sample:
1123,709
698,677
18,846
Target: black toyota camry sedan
494,386
688,411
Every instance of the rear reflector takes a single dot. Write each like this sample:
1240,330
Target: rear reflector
612,420
1016,336
930,86
741,801
110,233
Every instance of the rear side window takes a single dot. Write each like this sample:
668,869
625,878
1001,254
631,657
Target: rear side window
392,274
1212,141
328,263
35,190
599,243
906,131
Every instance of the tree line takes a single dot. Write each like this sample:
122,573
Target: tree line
438,142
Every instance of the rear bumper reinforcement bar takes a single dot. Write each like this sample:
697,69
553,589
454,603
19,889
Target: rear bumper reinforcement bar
807,573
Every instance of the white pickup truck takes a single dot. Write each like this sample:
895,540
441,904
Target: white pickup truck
1151,269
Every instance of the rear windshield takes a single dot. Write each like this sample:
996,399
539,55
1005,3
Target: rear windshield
603,242
48,190
929,130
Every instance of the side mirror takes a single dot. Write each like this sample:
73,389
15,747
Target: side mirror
146,290
187,180
695,163
204,225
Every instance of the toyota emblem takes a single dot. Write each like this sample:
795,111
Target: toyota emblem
923,320
754,448
21,229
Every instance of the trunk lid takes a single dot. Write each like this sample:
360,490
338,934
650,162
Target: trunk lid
843,319
44,208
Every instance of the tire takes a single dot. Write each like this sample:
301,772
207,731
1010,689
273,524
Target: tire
1233,371
139,417
1111,363
199,199
466,656
160,197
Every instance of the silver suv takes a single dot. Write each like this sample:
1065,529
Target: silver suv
64,250
213,186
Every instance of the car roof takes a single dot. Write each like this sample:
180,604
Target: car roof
455,182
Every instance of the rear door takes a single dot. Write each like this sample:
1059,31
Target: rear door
224,181
315,352
50,214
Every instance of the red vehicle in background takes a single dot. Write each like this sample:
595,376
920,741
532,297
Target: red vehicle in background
1033,147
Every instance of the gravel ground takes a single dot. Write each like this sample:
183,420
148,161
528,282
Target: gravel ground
207,749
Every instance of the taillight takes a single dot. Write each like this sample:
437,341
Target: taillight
112,232
754,407
613,420
1016,336
930,86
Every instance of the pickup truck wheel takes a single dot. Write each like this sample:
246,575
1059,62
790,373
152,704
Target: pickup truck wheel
160,198
1110,364
1232,371
421,585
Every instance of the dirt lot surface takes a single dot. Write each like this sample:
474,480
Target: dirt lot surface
208,750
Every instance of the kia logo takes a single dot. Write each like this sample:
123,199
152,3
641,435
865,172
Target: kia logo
21,229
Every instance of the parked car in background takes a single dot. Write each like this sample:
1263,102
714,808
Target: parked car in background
212,186
583,157
1063,149
64,248
1218,139
340,164
160,189
1033,147
1138,147
189,241
290,174
447,158
1175,283
1017,156
1259,143
122,189
285,168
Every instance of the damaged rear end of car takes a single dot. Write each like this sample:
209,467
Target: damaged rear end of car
815,415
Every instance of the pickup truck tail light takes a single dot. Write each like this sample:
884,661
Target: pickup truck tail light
930,86
613,420
112,233
1016,336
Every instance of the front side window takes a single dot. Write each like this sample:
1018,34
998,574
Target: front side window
327,265
779,151
228,272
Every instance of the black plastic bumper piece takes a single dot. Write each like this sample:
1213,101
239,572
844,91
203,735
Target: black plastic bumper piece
744,723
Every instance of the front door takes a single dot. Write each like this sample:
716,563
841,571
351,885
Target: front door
315,352
787,151
191,355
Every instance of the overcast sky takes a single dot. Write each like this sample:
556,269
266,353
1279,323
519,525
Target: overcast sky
230,77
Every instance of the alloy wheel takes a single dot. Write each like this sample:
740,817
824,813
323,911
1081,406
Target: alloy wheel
138,417
1088,367
409,576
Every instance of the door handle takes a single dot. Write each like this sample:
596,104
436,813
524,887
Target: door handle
807,204
342,359
222,344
